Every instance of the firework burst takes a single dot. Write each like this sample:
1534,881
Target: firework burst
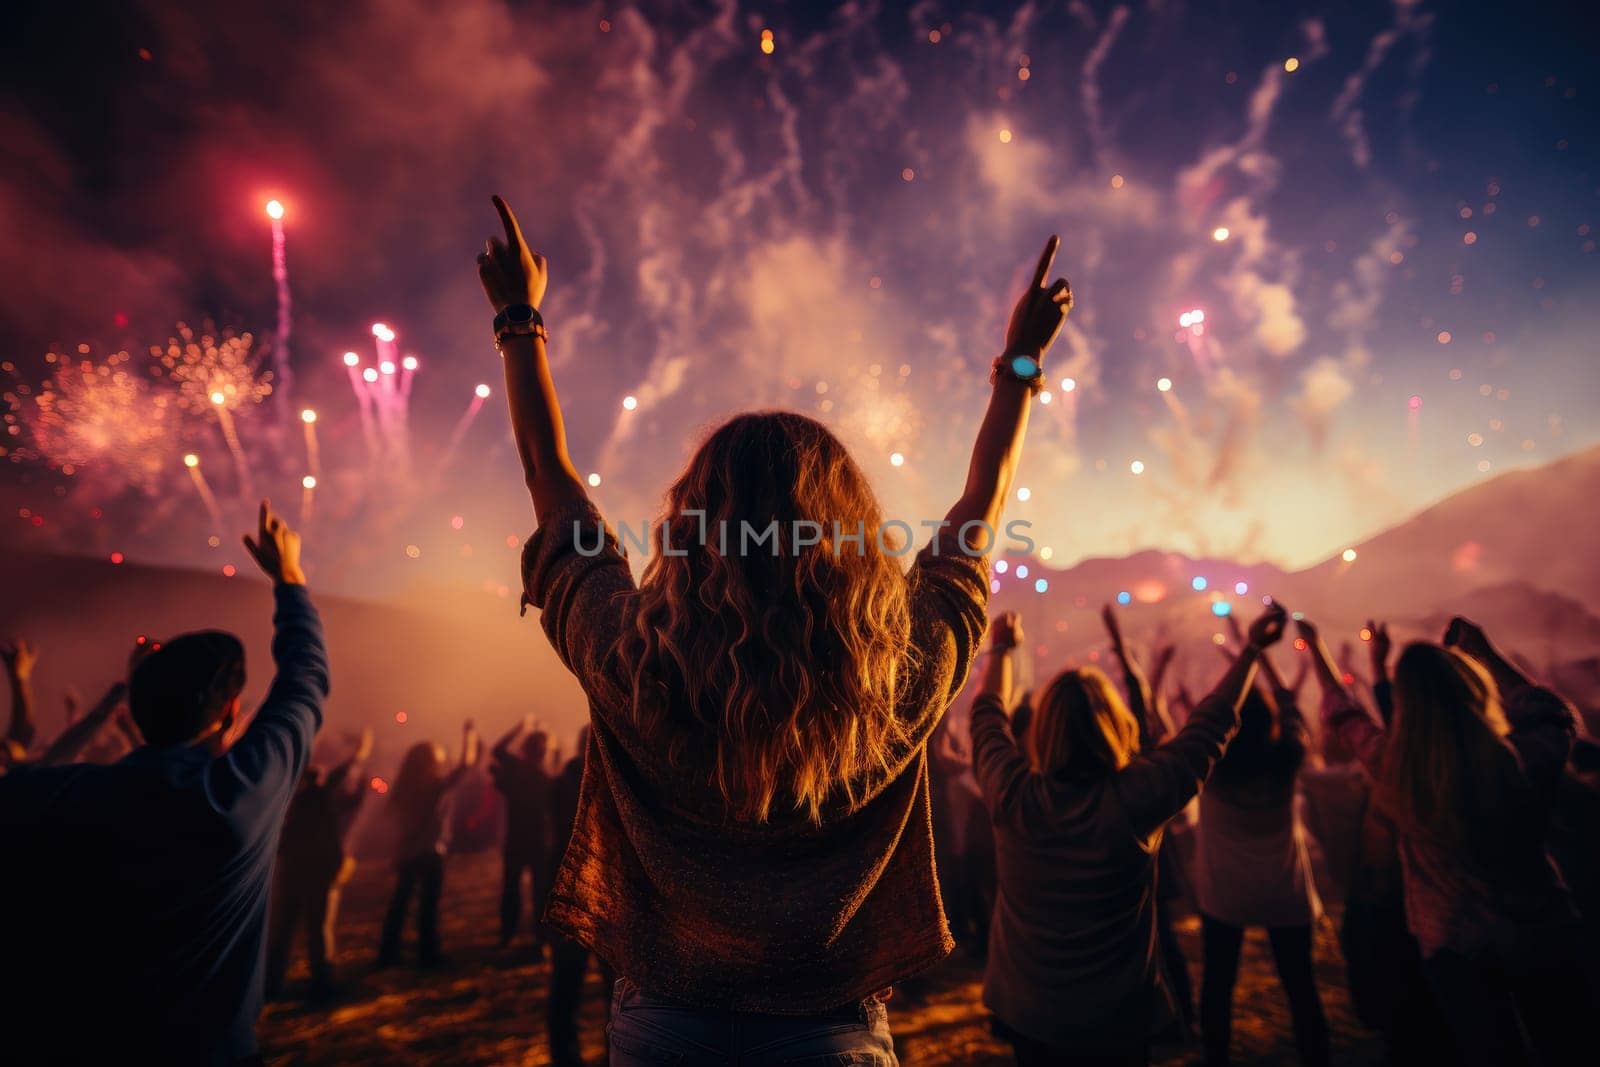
214,373
219,375
90,415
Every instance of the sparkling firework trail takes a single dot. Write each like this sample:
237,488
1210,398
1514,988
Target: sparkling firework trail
308,418
201,486
280,276
479,395
217,375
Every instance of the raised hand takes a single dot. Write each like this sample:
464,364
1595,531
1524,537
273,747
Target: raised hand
1108,615
1005,631
276,548
1268,627
1037,318
364,745
1467,636
19,657
511,272
1379,646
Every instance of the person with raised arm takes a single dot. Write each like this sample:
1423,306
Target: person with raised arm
1072,974
525,781
1379,646
1253,868
1467,769
1155,726
147,881
752,850
419,812
313,866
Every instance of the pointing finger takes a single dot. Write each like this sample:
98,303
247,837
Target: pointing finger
509,221
1045,259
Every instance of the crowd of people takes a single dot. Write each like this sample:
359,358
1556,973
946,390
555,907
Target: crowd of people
770,813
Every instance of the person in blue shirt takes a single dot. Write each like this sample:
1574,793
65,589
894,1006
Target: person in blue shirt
135,893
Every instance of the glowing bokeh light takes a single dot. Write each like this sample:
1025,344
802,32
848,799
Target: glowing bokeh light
1199,583
308,482
275,210
351,359
481,392
409,363
191,460
1124,598
1164,384
308,416
594,480
1349,555
1220,234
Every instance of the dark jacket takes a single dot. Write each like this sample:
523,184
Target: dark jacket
1072,949
136,892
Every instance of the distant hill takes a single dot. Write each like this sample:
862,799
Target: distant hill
1514,552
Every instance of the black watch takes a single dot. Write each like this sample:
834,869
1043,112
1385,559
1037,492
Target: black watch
519,320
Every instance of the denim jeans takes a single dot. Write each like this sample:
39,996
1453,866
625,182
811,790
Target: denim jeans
646,1031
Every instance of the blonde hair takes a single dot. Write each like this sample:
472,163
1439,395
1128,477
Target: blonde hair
782,662
1445,761
1080,723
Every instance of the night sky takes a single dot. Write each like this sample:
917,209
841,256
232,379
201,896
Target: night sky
1385,213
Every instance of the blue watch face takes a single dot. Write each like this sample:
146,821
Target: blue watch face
1024,366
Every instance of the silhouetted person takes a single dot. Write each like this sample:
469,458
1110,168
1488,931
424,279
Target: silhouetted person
1252,868
419,806
752,850
312,868
145,903
1468,768
522,779
1073,974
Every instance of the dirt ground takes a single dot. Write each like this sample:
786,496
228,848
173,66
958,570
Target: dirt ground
488,1006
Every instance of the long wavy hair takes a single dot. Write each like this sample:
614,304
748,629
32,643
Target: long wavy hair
1081,725
1446,765
781,661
